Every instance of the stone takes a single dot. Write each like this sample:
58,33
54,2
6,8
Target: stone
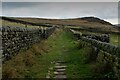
60,76
57,64
59,73
59,67
51,68
47,76
17,38
60,70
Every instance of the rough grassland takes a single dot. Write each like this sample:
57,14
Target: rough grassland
115,39
34,63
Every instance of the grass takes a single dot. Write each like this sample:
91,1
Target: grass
67,47
8,23
115,39
27,63
34,63
76,22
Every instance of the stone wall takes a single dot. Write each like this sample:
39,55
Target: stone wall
99,37
110,53
16,38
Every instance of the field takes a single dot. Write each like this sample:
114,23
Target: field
79,56
115,39
8,23
78,22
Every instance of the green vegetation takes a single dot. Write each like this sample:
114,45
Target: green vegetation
74,57
115,39
34,63
8,23
92,23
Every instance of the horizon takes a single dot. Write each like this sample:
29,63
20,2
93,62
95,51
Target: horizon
54,18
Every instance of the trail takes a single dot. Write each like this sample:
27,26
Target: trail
64,49
56,57
60,40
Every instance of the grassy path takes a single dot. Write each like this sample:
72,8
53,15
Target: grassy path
34,63
64,47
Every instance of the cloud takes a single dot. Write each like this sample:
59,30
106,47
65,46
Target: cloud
103,10
59,1
113,20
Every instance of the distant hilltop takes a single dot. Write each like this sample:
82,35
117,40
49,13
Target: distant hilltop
93,23
95,19
88,19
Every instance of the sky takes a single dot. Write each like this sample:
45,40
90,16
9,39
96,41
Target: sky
60,0
60,10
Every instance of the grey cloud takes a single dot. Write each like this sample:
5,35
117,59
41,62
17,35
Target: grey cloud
9,5
60,0
104,10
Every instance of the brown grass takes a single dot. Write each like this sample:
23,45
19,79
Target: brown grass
91,54
76,22
80,44
103,68
29,59
9,72
23,61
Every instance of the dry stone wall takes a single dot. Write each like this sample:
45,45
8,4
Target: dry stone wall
111,52
100,37
16,38
109,48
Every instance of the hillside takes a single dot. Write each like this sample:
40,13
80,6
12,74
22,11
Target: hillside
31,49
85,22
94,19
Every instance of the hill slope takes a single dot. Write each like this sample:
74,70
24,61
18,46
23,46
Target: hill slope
85,22
94,19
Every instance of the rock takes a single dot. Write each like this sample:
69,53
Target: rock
59,67
47,76
57,64
59,73
60,76
17,38
51,68
60,70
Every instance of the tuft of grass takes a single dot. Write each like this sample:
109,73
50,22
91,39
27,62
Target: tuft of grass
90,54
9,72
29,59
103,68
24,62
80,44
115,39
